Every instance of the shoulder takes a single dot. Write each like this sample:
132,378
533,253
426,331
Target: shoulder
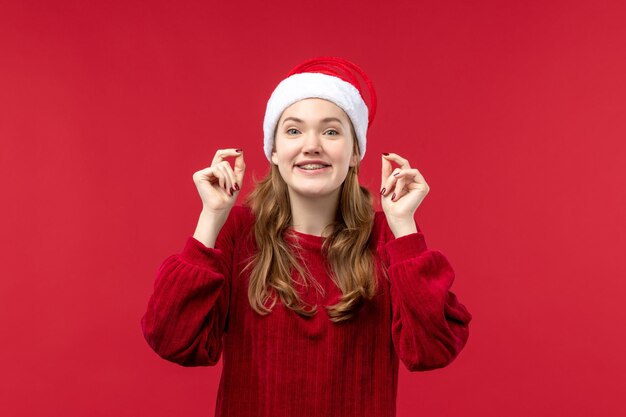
240,219
239,223
241,212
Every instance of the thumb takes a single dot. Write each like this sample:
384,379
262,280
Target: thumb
240,167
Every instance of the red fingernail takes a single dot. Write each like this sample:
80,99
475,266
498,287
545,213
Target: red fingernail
393,196
232,191
386,153
382,192
238,150
236,186
395,174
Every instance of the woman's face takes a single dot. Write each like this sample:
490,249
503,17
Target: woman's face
321,133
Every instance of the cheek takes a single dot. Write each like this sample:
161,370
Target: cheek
286,150
343,155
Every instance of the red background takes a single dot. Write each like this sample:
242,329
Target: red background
514,112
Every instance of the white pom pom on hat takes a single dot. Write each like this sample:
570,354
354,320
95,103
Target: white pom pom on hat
330,78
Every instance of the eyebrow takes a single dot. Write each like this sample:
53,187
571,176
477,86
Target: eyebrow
325,120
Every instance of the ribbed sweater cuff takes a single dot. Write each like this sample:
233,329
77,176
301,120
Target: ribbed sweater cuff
405,247
196,253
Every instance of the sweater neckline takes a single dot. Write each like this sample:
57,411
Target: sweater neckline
310,241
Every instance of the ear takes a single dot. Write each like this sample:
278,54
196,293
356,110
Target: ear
354,159
274,158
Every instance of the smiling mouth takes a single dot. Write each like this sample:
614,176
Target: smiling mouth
313,168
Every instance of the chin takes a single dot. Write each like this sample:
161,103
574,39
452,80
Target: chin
311,192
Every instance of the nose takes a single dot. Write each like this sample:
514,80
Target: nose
312,144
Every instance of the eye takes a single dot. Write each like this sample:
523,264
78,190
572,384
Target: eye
333,130
288,130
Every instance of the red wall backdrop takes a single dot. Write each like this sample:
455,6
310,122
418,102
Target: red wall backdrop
514,112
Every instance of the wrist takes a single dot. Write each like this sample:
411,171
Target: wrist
402,227
208,227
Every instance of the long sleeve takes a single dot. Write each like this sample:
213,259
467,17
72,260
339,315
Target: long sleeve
188,310
429,324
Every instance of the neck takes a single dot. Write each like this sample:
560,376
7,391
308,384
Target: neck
312,215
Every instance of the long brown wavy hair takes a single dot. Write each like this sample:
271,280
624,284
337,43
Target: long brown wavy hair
346,248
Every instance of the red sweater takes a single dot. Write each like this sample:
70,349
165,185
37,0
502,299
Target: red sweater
285,365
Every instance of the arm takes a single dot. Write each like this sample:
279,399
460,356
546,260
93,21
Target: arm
187,312
429,324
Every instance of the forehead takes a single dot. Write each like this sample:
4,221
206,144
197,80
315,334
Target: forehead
314,109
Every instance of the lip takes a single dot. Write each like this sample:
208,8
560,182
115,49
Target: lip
312,161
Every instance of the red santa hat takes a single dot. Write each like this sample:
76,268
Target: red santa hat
330,78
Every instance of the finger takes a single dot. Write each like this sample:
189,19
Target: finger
205,174
404,164
398,189
231,176
220,176
222,154
413,180
412,173
386,171
389,183
226,176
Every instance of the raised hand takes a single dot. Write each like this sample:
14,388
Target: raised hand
402,190
218,185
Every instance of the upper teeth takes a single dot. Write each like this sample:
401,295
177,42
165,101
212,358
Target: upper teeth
312,166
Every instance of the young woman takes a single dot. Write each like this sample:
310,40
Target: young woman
251,281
